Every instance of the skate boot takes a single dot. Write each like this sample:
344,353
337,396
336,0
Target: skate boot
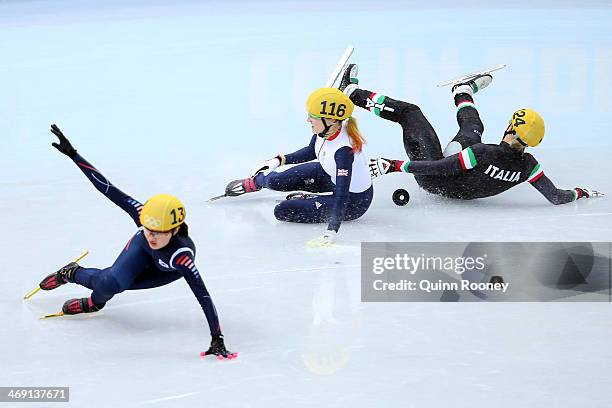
349,81
240,187
61,277
473,85
83,305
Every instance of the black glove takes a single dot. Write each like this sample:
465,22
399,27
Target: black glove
217,347
64,145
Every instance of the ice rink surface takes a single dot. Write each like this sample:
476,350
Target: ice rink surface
182,97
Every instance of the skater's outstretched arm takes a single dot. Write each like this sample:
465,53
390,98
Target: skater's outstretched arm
344,166
122,200
303,155
556,195
183,261
449,166
444,167
553,194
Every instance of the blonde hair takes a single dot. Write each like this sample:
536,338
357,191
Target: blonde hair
516,145
357,140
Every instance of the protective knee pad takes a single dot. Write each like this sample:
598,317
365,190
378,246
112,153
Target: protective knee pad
452,148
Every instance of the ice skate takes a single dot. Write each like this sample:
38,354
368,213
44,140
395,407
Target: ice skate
473,85
78,306
467,78
239,187
59,278
349,81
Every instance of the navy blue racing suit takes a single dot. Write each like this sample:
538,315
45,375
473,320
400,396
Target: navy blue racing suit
138,266
342,205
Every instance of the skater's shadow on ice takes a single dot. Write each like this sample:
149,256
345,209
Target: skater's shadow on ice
483,203
143,321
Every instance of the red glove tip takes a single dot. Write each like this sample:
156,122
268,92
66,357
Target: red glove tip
202,354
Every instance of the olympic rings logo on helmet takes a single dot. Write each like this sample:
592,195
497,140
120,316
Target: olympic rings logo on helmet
162,213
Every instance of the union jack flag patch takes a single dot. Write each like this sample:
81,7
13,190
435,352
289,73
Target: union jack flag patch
342,172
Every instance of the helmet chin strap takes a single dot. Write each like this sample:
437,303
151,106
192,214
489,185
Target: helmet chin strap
508,132
323,134
515,137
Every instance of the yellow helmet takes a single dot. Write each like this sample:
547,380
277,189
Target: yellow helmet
329,103
528,127
162,213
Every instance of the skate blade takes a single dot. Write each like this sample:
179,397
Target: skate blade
210,200
338,69
472,75
79,316
58,314
35,290
31,293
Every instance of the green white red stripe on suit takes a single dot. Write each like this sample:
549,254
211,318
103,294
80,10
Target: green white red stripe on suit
467,159
535,174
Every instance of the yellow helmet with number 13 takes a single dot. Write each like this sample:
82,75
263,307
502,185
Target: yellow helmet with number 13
162,213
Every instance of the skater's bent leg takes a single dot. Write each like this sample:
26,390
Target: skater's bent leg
85,276
106,283
105,286
305,177
153,278
318,210
358,204
311,211
470,125
420,139
383,106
